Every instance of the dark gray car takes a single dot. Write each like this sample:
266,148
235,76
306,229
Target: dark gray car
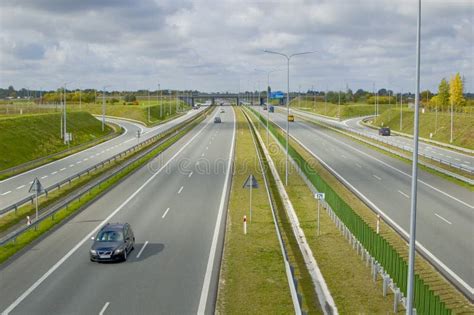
113,243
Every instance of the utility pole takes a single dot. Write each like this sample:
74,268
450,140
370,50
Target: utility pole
158,101
414,175
149,105
401,112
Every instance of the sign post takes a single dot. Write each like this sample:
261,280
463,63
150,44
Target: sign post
250,182
37,188
319,196
245,225
138,136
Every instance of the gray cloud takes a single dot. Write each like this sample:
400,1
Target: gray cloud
216,45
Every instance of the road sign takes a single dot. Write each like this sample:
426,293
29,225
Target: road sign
251,181
319,196
277,94
36,186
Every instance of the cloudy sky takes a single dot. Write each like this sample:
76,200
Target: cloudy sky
217,45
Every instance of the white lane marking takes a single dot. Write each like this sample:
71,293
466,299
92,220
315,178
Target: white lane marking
62,169
6,193
141,250
441,154
78,162
343,156
164,214
85,159
71,165
449,157
31,182
54,173
90,157
457,159
103,151
97,154
38,282
387,218
212,252
104,308
375,176
358,165
180,190
202,154
190,174
20,187
43,177
467,162
443,218
381,162
403,194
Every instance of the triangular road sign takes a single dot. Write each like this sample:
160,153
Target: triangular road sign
36,186
251,181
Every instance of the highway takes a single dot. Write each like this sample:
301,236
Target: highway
456,159
176,207
445,210
15,188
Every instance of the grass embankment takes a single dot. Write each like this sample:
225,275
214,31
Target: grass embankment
30,137
332,110
463,127
348,279
9,249
252,278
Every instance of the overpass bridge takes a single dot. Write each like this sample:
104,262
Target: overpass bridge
238,98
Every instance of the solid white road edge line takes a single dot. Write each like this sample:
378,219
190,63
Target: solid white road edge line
25,294
141,250
212,253
104,308
387,218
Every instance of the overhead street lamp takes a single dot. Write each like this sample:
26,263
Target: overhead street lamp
414,175
103,107
288,58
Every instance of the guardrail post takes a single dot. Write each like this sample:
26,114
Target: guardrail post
385,280
396,299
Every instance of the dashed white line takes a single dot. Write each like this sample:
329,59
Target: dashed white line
180,190
164,214
62,169
78,162
54,173
358,165
90,157
6,193
343,156
375,176
44,176
443,218
85,159
141,250
403,194
71,165
104,308
202,154
207,148
190,174
20,187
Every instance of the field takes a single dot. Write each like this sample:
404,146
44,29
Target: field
332,110
39,135
463,131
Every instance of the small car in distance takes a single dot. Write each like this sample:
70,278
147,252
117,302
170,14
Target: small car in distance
384,131
222,111
291,118
217,120
113,242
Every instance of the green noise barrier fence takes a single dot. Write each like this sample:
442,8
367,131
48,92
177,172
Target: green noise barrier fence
425,300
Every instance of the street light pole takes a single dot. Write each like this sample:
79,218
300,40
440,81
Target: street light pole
158,101
414,177
148,105
288,58
401,112
103,107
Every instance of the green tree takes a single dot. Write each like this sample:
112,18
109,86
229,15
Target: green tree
443,93
456,91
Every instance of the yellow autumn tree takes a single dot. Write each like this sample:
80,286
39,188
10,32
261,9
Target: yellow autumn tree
456,91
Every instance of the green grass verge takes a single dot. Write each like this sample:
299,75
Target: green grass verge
29,137
252,278
463,127
332,110
9,249
453,299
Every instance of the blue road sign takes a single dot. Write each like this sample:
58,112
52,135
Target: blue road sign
277,94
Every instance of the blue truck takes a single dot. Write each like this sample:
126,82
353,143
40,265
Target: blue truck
271,109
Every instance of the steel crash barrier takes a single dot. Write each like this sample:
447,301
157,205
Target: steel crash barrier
374,248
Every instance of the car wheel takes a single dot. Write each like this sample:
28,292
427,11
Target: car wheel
125,255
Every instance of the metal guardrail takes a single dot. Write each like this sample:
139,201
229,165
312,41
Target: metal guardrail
69,179
99,181
403,147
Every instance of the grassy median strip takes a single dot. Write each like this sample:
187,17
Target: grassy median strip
26,238
252,278
454,299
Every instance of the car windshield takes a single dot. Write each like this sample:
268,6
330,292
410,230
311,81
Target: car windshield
109,236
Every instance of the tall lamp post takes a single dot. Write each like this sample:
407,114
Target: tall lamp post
103,107
414,175
288,58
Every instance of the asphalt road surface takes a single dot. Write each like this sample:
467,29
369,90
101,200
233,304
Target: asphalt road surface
445,214
176,207
15,188
450,157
